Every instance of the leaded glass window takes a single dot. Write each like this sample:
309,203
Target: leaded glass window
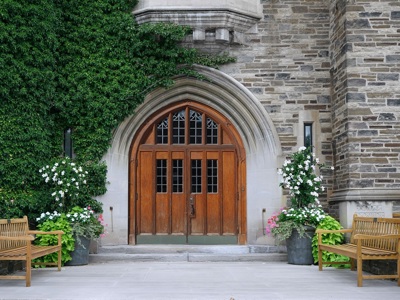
195,127
212,132
196,175
162,132
161,174
178,127
177,175
212,176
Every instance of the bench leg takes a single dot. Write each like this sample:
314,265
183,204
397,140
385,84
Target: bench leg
59,260
319,259
28,273
359,273
398,271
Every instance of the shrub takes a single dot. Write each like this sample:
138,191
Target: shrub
68,241
329,223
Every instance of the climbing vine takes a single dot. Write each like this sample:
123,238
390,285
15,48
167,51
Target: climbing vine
80,64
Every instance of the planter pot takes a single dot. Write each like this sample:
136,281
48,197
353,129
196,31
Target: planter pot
80,256
299,249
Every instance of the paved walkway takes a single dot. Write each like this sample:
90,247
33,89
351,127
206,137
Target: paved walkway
124,279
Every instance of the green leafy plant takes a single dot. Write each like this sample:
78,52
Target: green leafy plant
68,242
16,204
329,223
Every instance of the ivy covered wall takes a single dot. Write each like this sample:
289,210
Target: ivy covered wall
80,64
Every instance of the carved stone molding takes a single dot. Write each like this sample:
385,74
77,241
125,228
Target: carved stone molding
225,25
366,195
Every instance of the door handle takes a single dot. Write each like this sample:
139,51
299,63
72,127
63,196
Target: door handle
192,207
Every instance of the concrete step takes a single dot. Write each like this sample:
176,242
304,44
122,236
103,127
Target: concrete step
190,253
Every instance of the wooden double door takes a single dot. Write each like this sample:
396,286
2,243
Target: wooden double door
186,180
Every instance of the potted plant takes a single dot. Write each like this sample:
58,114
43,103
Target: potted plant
67,183
296,223
83,226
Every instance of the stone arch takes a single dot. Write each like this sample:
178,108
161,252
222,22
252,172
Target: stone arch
226,95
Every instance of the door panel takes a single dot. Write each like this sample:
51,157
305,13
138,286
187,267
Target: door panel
229,218
145,190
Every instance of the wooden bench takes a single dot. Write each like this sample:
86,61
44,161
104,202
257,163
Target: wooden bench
16,244
370,239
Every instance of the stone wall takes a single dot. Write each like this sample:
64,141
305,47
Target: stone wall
366,99
286,65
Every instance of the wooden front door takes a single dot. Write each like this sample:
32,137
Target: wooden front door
186,179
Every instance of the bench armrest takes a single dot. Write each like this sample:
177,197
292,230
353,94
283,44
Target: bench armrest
376,237
320,232
45,232
17,238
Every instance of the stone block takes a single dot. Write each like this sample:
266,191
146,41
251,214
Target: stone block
222,35
355,97
381,209
393,58
395,15
387,117
199,35
393,102
388,77
356,82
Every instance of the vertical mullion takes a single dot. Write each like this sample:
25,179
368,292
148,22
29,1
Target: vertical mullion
220,191
204,187
187,126
154,171
170,129
203,129
169,189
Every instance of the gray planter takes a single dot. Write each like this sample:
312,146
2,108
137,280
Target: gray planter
299,249
80,256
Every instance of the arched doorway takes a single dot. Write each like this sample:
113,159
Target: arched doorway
187,178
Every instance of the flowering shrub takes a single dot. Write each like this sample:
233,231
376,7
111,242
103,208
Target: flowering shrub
83,221
67,182
304,187
300,179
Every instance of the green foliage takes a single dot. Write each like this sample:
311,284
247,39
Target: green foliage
329,223
28,43
84,65
68,242
71,185
285,229
85,223
22,203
